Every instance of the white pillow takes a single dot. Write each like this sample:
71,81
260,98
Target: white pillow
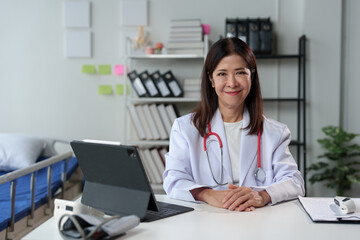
19,151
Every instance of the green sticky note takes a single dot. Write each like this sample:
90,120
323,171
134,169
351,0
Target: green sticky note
105,89
88,69
127,89
119,89
105,69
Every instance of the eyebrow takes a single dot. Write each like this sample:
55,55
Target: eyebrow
236,69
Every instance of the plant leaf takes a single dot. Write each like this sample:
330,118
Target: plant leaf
318,177
353,163
317,166
330,156
342,172
351,155
353,179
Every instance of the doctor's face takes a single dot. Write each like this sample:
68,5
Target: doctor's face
232,82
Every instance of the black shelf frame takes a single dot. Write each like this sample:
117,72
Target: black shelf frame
300,100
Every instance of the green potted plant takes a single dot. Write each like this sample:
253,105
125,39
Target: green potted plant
341,171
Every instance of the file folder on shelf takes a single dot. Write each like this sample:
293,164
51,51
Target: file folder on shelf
174,85
137,84
149,84
254,36
144,122
161,84
137,124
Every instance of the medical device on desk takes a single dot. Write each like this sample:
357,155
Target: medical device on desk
259,173
78,221
346,205
62,207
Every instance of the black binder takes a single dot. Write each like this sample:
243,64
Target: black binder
254,35
231,30
243,30
149,84
257,33
137,84
161,84
265,36
173,84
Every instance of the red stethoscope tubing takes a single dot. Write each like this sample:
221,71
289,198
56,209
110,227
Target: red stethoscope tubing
221,145
209,134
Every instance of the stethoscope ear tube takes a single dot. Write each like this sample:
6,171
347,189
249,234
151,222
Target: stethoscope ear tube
221,168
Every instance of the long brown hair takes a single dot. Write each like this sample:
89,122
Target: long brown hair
205,110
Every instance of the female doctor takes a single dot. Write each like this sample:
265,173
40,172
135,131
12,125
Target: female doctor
227,153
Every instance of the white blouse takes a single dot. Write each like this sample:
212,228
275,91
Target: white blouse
233,137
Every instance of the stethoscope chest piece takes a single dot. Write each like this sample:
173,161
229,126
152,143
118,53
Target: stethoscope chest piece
260,175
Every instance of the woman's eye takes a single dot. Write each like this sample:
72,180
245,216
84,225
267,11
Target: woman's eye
242,73
221,74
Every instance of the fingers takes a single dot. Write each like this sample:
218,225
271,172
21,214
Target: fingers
243,199
236,197
232,186
246,206
233,189
249,209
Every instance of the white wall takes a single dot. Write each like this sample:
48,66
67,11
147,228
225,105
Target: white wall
44,93
323,74
350,113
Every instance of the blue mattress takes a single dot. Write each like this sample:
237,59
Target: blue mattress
23,198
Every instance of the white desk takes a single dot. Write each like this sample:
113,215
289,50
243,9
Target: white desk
283,221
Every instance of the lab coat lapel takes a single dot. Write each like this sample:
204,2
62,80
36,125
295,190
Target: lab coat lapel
248,149
217,126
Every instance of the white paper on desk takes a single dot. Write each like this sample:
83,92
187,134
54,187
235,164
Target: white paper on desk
319,209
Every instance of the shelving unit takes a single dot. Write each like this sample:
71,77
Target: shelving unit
161,59
300,100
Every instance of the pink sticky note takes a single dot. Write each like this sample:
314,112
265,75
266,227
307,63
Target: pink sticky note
206,28
119,69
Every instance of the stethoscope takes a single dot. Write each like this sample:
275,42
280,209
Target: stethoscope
259,173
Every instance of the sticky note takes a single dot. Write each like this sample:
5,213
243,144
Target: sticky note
119,89
206,28
88,69
104,69
105,90
119,69
127,89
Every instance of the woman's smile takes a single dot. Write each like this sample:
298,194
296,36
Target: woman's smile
233,93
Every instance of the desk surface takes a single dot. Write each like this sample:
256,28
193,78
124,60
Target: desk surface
286,220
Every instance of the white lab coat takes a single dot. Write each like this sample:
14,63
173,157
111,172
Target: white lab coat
187,167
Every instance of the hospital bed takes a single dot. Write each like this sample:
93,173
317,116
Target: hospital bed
27,194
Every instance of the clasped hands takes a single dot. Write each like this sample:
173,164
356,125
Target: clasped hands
235,198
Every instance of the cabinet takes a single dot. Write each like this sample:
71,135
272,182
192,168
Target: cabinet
299,101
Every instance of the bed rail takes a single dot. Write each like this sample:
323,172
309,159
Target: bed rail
13,176
33,168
